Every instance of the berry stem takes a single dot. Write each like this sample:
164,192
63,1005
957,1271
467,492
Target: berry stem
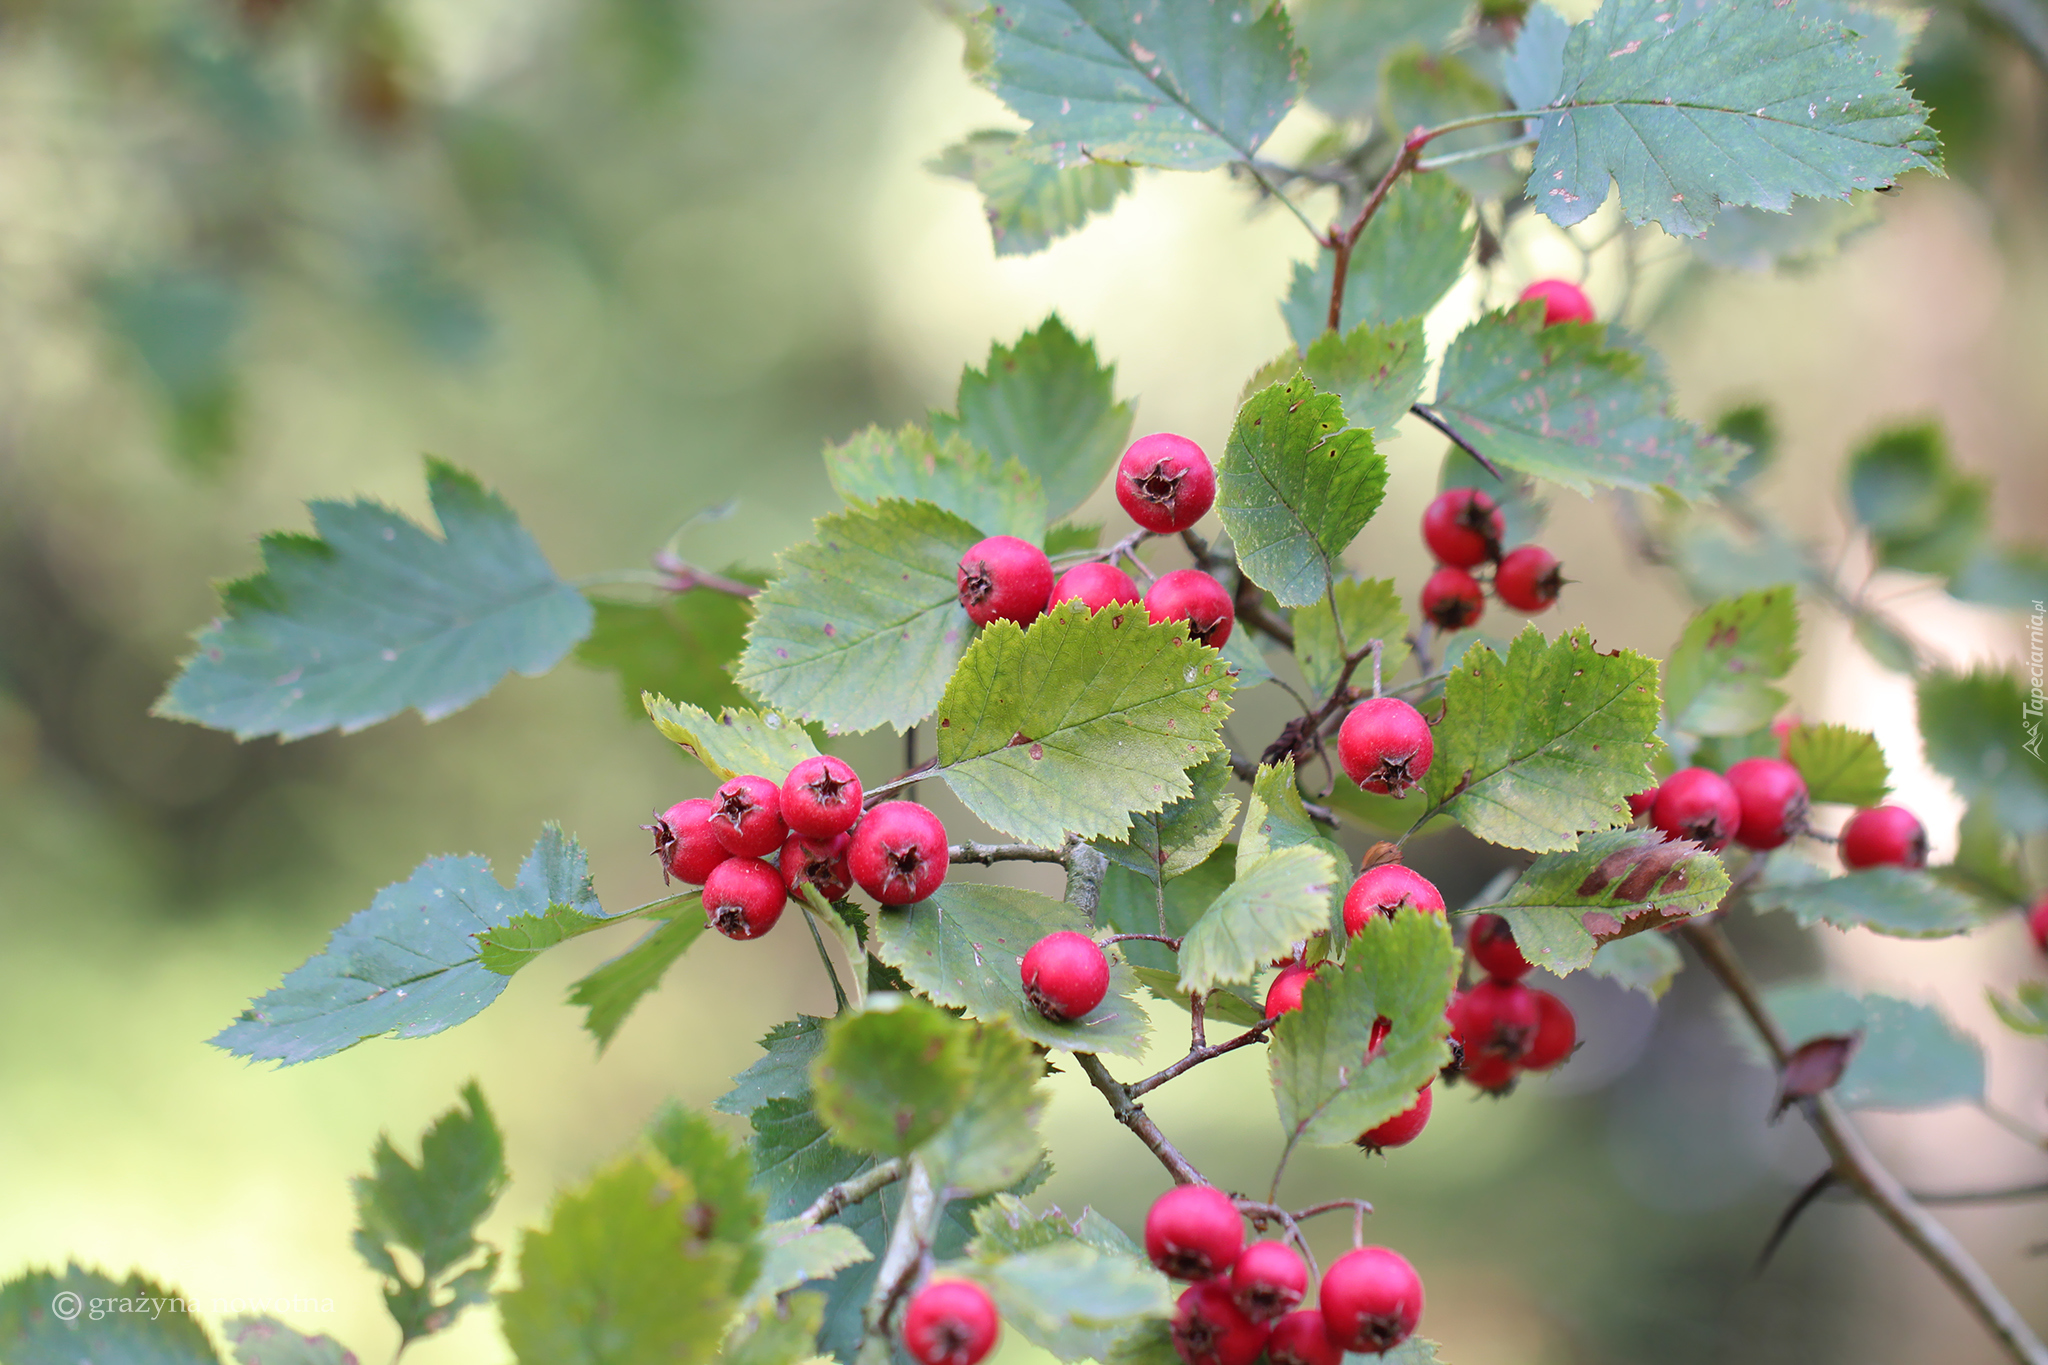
1134,1117
847,1193
1196,1056
874,795
1172,943
1261,1214
680,576
838,991
1457,438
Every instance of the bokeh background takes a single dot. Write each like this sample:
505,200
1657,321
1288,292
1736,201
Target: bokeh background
632,259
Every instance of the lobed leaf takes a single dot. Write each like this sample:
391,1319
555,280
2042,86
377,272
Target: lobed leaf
1716,680
1983,732
1377,369
783,1331
1030,204
1911,1057
1277,901
796,1255
997,496
1132,904
785,1073
1616,883
1369,609
34,1330
734,742
1406,260
266,1341
1887,900
1175,839
1075,1300
609,994
1347,43
682,646
1839,764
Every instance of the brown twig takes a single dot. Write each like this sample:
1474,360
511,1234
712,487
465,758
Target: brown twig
1134,1117
1341,243
847,1193
1196,1056
989,854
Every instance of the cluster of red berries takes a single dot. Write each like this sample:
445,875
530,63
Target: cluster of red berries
1243,1298
1502,1027
814,830
1463,529
1166,484
1761,803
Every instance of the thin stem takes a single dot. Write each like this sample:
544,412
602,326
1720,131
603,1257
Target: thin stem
2013,1124
1341,243
847,1193
838,991
1196,1056
1457,438
1198,1037
1437,163
1170,942
1134,1117
910,761
683,576
986,854
908,1242
875,794
1261,1213
1292,207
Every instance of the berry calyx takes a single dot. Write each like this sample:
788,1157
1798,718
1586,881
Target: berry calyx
1883,836
1371,1300
950,1322
1384,889
1194,597
1529,579
1004,579
1772,796
817,862
2037,925
821,797
899,853
1284,995
1192,1232
1268,1280
1299,1339
1095,585
1451,599
1404,1127
1497,1019
746,815
743,897
1065,975
1563,301
1210,1329
1385,746
685,842
1557,1033
1165,483
1492,945
1463,527
1697,804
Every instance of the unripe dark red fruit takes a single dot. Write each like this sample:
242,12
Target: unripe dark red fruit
950,1322
1192,596
1284,995
1563,301
1557,1033
685,842
1268,1280
1498,1019
1404,1127
1492,945
1640,803
1065,975
1193,1232
899,853
1884,836
743,897
746,815
1528,579
1210,1329
1094,585
1772,796
821,797
1385,746
819,862
1697,804
1004,579
1452,600
1371,1300
1384,889
1299,1339
1463,527
2037,925
1165,483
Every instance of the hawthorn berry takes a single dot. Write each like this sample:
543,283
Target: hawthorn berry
1210,1329
1528,579
1881,836
1065,975
685,841
1193,1232
1563,301
1284,995
1404,1127
820,862
1463,527
1451,599
1268,1280
1376,1035
1640,802
899,853
1772,796
2037,925
1492,945
1494,1075
746,815
1004,579
743,897
1095,585
1697,804
1385,746
1194,597
1497,1019
1384,889
1556,1033
821,797
1165,482
1300,1339
950,1322
1371,1300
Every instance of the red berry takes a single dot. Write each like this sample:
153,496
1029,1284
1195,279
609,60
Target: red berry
2037,925
949,1322
1451,599
1404,1127
1783,727
821,797
1193,1232
1095,585
1528,579
1371,1300
820,862
1065,975
1385,746
1268,1280
1698,804
1497,1019
686,843
1210,1329
1299,1339
899,853
1772,796
1165,482
1381,1027
1492,945
746,816
1192,596
1562,301
1494,1075
1640,803
1004,579
1557,1033
1463,527
743,897
1284,995
1884,836
1384,889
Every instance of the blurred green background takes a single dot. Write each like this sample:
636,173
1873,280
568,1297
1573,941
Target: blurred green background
631,259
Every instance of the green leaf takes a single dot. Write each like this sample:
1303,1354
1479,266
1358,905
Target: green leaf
785,1073
2014,577
1376,368
373,614
1049,404
1076,1300
1407,259
1716,564
1276,902
1615,883
1145,81
1888,900
1175,839
1533,72
1839,764
727,1208
35,1331
993,1141
1755,426
1414,1351
1983,732
734,742
609,994
797,1255
1641,962
862,626
891,1076
1812,231
1005,1226
682,646
1425,89
1132,904
1694,105
1987,858
1294,488
1911,1057
785,1331
1897,479
1079,722
1564,404
1549,742
410,963
1347,42
266,1341
510,946
1067,537
997,498
1329,1090
1369,609
2026,1012
962,947
1715,682
1030,204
